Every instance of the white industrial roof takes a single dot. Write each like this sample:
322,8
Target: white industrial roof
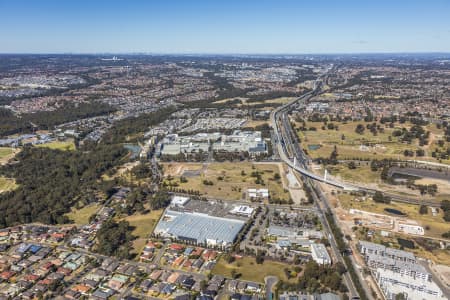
200,227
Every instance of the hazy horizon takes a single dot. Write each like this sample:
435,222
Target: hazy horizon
230,53
228,27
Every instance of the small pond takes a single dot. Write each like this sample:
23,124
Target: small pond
394,211
313,147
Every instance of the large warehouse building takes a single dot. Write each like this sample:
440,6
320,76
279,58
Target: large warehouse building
199,228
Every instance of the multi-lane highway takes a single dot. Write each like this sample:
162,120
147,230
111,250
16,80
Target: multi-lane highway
291,153
288,147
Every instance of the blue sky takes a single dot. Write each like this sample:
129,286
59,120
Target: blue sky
231,26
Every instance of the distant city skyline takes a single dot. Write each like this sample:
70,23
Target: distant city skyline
224,27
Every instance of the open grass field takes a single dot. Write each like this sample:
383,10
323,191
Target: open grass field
385,97
362,174
437,225
7,153
229,180
178,169
280,100
351,144
328,96
143,224
439,256
436,135
59,145
81,216
443,186
333,136
251,271
254,123
123,172
392,151
7,184
433,129
243,100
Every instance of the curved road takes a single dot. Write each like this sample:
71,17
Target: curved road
285,139
290,152
299,162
